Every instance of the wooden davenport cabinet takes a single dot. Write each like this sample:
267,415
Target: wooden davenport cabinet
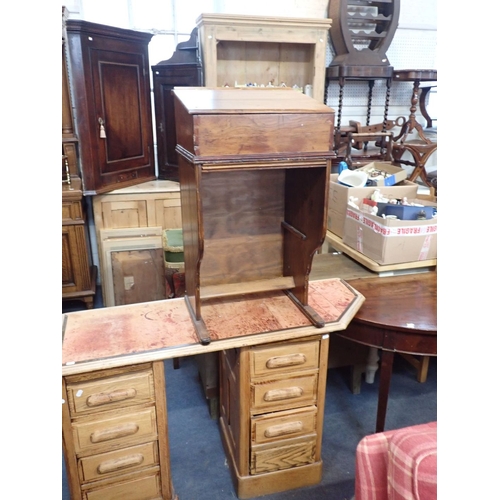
110,82
271,414
254,168
115,434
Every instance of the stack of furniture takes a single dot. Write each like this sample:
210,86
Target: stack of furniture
78,273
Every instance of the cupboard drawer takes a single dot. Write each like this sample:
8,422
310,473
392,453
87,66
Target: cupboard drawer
114,463
113,392
115,431
285,424
292,454
142,488
284,358
287,392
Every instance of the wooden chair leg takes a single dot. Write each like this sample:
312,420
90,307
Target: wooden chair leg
421,363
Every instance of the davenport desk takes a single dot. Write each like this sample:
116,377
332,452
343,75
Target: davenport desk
114,404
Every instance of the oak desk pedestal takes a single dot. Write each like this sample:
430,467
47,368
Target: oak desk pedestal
115,432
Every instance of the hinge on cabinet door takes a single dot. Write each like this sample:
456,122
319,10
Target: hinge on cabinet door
161,127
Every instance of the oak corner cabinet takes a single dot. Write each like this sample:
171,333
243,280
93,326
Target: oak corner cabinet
115,436
109,74
271,414
239,49
254,168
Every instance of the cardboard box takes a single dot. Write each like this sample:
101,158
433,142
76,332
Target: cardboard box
339,196
390,241
394,174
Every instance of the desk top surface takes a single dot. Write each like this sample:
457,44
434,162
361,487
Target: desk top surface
117,336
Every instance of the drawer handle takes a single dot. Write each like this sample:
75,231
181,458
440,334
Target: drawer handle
114,432
110,397
282,429
279,394
120,463
288,360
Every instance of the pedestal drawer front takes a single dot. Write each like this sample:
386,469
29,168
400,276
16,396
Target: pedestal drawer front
143,488
117,462
114,392
284,358
119,430
284,393
286,424
292,454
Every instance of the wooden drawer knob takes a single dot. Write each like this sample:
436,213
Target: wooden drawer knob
280,394
103,398
114,432
120,463
282,429
288,360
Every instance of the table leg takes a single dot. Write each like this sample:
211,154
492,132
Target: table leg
371,365
386,361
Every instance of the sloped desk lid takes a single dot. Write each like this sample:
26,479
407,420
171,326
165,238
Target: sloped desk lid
150,331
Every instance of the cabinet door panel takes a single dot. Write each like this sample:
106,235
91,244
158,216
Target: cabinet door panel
119,103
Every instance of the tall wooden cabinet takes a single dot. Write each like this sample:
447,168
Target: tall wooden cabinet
183,69
78,273
110,81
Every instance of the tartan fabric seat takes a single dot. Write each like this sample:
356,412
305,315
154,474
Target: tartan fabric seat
398,464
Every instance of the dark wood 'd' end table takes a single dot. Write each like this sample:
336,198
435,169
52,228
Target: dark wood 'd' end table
399,315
